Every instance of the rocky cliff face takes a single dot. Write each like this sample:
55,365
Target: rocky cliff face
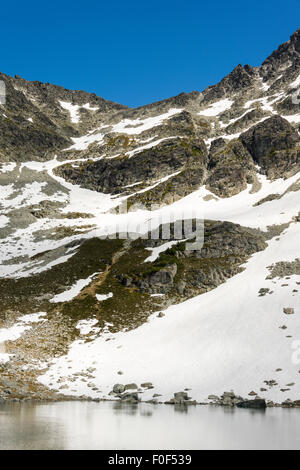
228,157
253,111
40,120
34,123
274,146
286,57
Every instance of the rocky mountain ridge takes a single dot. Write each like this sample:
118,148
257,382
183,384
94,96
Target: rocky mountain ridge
228,157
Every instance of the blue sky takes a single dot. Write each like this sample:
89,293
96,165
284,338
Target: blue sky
137,52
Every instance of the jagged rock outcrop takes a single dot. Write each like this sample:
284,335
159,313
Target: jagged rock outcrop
274,146
148,166
287,55
183,100
34,124
247,120
230,168
242,77
258,403
184,272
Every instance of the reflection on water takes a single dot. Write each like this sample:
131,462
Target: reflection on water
114,425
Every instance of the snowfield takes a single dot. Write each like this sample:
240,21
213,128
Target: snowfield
238,209
209,344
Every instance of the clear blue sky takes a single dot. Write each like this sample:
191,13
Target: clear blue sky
136,52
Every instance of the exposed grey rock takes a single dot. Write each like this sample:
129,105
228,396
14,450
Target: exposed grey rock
131,386
284,268
111,176
118,388
256,404
263,291
180,287
287,53
231,168
161,315
130,397
147,385
181,395
51,127
226,246
274,146
213,397
289,311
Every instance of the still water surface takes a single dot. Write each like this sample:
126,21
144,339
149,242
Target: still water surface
109,425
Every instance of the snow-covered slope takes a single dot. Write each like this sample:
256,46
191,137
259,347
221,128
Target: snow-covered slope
138,310
209,344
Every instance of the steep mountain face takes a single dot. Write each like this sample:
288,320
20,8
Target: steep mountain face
286,57
36,121
274,145
101,209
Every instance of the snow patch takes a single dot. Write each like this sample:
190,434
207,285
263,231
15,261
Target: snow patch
296,83
266,102
16,331
3,221
7,167
293,118
69,294
74,110
232,121
264,85
148,146
101,297
33,317
87,326
160,249
126,126
217,108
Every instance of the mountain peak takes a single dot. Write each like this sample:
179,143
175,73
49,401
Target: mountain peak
295,39
286,55
240,78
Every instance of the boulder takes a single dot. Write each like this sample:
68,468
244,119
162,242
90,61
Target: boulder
131,386
213,397
255,404
118,388
274,146
289,311
181,396
130,397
